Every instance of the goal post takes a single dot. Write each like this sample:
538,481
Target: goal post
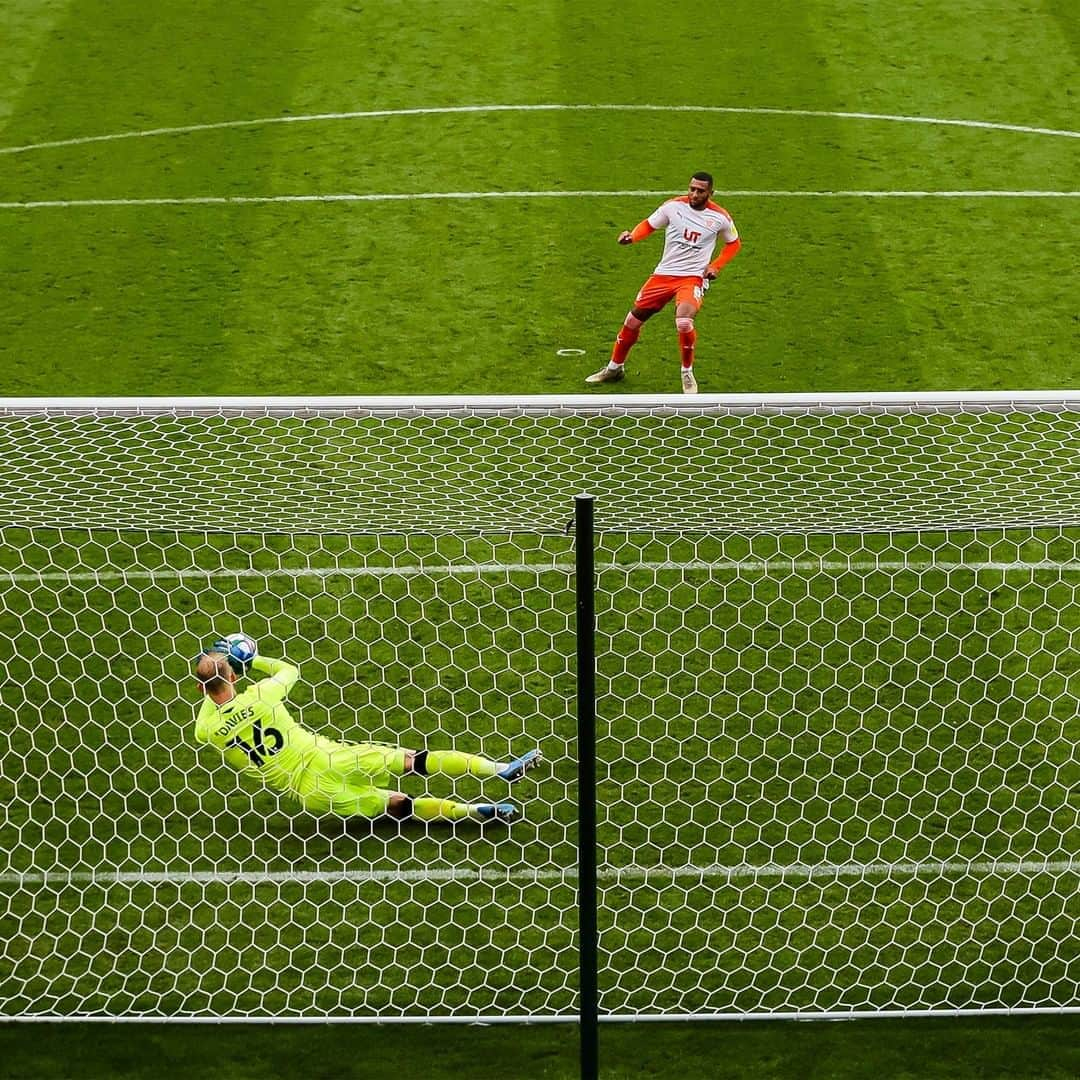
836,702
585,634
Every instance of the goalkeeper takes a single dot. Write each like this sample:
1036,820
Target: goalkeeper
257,734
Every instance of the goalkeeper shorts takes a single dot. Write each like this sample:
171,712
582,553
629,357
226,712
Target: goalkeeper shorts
352,780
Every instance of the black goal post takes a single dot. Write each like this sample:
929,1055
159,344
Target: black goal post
585,588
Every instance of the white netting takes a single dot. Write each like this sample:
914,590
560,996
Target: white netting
837,767
780,464
841,773
143,876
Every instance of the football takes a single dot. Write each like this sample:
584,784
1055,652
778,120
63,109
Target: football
241,648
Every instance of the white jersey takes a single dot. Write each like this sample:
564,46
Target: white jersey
690,236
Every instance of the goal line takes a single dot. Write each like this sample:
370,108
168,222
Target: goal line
713,872
764,566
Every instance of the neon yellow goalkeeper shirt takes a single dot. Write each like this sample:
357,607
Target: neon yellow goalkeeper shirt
255,731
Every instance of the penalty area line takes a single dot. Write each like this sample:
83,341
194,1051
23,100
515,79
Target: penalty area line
610,875
435,196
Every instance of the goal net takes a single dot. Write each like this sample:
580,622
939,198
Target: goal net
837,698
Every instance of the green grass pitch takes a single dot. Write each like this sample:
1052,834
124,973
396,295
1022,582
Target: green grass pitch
519,295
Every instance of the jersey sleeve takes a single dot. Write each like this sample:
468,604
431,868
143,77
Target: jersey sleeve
659,217
729,234
282,678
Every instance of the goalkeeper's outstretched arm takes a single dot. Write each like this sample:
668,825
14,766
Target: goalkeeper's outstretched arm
243,657
282,678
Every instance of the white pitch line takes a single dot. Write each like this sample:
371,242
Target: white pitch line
611,875
188,129
502,569
435,196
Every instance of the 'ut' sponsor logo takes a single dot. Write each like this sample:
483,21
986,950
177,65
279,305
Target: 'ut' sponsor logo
693,237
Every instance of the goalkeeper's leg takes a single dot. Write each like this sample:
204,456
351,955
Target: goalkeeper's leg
456,763
430,809
450,763
373,764
348,801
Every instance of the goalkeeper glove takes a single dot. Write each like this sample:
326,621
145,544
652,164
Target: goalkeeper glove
239,649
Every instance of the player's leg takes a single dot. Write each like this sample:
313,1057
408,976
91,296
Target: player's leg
652,296
628,334
401,807
686,309
353,780
377,764
370,802
456,763
449,763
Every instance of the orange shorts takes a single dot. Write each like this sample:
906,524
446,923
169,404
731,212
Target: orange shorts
661,289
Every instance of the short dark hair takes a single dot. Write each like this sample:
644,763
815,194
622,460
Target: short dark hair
707,177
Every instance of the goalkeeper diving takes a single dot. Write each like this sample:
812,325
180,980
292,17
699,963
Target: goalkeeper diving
257,734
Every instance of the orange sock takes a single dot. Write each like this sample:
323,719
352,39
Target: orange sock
687,338
623,343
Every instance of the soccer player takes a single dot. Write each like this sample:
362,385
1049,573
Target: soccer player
257,734
692,224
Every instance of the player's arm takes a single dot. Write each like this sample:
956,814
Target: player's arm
281,679
732,243
644,228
